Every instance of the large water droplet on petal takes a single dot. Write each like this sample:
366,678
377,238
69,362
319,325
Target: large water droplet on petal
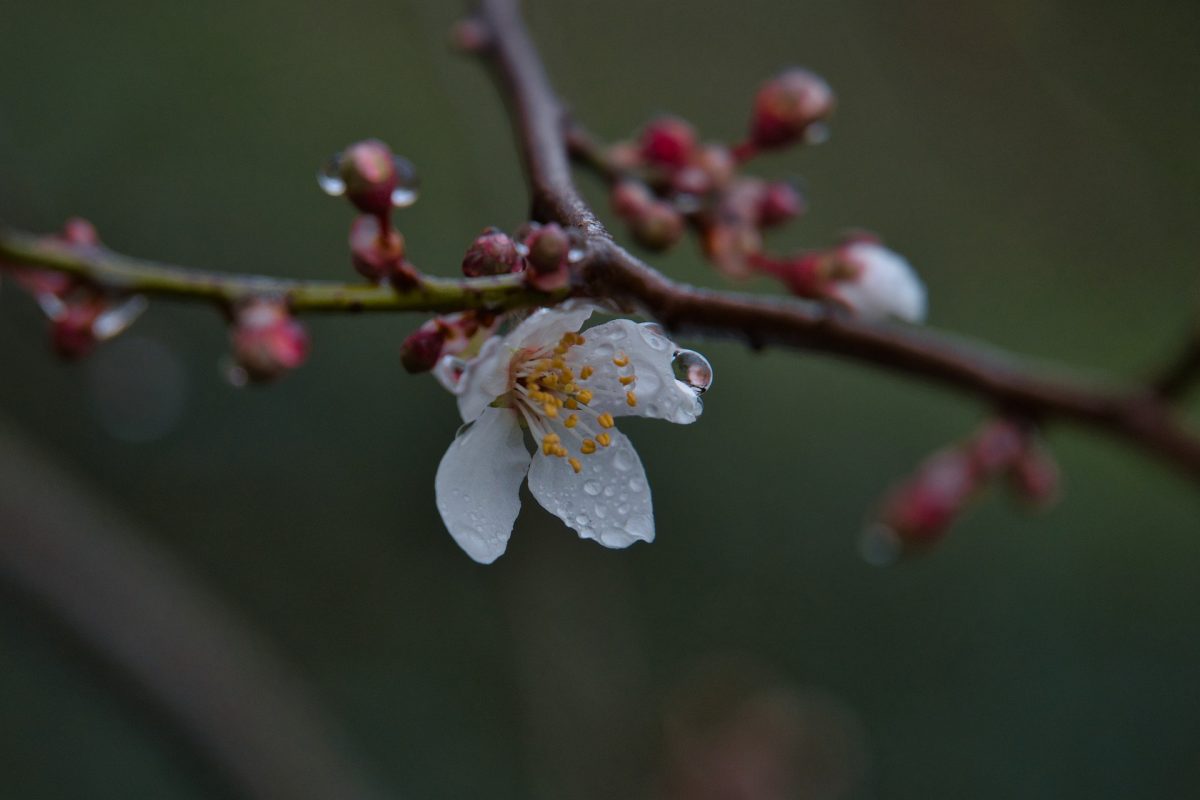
592,488
622,461
408,183
329,177
693,369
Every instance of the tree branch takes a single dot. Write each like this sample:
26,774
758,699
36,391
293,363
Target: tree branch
1138,416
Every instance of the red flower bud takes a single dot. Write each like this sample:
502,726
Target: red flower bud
267,340
668,142
380,256
787,106
779,203
918,512
492,253
422,348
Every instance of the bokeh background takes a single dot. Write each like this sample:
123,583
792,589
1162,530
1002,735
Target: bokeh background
1035,159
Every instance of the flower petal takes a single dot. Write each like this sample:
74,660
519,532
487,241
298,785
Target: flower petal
478,483
609,500
483,380
887,285
546,326
650,353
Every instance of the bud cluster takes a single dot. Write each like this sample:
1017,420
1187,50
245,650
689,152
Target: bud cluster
919,511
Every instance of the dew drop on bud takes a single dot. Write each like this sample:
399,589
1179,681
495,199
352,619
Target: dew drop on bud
234,375
879,545
575,255
693,369
408,183
816,133
329,177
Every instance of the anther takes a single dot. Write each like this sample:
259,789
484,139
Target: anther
604,439
586,372
587,447
571,421
584,397
626,379
621,360
575,465
606,420
631,398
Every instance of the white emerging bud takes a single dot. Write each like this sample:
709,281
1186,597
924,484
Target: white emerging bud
880,283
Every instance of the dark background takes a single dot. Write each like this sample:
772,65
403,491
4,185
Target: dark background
1035,160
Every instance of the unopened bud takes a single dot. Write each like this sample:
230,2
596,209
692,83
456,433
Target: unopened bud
917,513
267,340
492,253
668,142
378,254
549,246
422,348
1036,478
79,231
787,106
630,199
658,227
779,203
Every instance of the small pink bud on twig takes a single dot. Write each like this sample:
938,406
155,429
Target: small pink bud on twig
668,142
442,336
658,226
1036,478
378,254
267,340
780,202
492,253
549,248
372,177
786,109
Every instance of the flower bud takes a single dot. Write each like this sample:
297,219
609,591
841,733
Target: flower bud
368,169
267,340
630,199
668,142
79,231
732,247
998,446
379,256
658,227
878,282
422,348
779,203
492,253
548,246
444,336
787,106
1035,477
72,332
717,161
917,513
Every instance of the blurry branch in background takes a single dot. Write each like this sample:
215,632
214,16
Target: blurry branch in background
660,186
172,645
1183,374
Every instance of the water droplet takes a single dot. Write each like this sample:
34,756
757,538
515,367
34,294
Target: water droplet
52,306
582,519
408,183
234,375
623,509
575,255
622,461
636,484
604,351
693,369
655,327
609,491
879,545
329,177
816,133
592,488
118,318
600,510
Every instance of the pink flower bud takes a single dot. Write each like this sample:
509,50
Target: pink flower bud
717,161
787,106
658,227
732,247
379,256
368,169
779,203
918,512
1036,478
998,446
267,340
668,142
630,199
549,247
492,253
79,231
72,333
422,348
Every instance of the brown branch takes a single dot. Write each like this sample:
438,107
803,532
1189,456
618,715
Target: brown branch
1139,416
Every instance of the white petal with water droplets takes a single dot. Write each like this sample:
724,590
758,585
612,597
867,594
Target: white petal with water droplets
659,394
544,327
609,500
478,482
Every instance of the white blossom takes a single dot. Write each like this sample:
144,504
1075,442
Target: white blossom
883,283
566,389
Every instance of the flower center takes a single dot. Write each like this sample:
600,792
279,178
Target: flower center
555,401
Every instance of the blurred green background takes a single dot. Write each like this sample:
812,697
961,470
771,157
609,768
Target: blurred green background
1035,159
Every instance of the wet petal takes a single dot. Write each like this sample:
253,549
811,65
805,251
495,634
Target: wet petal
483,380
478,482
658,393
609,500
544,327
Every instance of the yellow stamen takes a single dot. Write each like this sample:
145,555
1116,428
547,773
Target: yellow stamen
631,398
586,372
552,410
621,360
587,447
566,374
604,439
571,403
575,465
606,420
571,421
560,451
626,379
584,397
